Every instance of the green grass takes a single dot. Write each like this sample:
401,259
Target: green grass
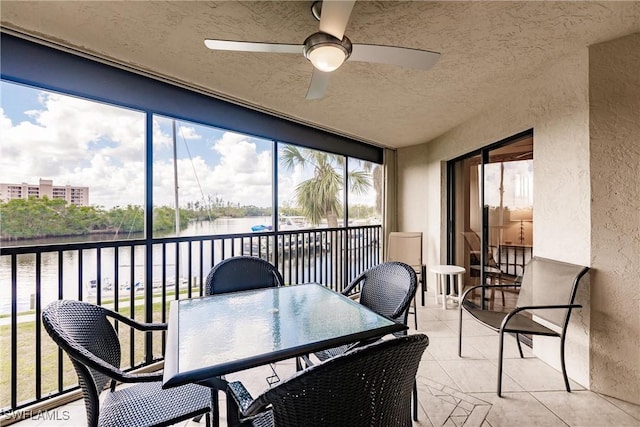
26,350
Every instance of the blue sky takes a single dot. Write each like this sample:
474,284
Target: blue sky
17,99
84,143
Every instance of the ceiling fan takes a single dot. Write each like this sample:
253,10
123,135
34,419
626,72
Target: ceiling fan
329,48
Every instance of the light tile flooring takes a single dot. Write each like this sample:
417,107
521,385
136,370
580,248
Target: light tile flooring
455,391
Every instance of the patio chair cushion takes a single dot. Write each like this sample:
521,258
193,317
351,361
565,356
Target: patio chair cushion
148,403
518,323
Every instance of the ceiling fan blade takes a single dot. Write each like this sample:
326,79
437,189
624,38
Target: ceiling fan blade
393,55
335,16
318,85
252,46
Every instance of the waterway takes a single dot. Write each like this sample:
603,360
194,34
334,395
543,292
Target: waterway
26,272
131,270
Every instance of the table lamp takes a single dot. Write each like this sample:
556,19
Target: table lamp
522,215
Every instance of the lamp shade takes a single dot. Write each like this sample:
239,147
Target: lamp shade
522,215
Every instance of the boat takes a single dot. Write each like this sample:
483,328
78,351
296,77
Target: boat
92,285
288,222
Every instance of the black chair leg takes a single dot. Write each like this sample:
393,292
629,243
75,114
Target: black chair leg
415,313
415,400
460,334
564,368
233,416
215,409
423,281
500,351
519,346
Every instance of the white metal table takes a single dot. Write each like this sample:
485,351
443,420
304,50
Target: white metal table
452,275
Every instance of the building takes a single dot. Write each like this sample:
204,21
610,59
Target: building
78,196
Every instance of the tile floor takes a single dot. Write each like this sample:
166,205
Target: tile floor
455,391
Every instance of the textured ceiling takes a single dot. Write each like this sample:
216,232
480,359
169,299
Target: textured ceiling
486,48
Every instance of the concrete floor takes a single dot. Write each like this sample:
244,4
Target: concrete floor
455,391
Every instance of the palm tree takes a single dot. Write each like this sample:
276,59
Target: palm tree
319,196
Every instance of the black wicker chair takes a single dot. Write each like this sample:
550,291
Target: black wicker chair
85,333
366,386
547,292
241,273
387,289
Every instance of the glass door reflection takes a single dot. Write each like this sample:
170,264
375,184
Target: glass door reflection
491,216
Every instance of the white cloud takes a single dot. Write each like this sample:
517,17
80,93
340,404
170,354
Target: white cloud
77,142
242,175
160,139
188,132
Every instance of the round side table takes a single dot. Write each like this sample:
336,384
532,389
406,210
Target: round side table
452,275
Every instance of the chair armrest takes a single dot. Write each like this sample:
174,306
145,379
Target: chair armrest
246,404
548,307
353,284
399,310
141,326
276,278
534,308
240,396
129,377
471,289
113,372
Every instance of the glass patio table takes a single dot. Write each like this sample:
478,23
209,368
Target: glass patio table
216,335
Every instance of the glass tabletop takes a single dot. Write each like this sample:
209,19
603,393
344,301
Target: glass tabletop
220,334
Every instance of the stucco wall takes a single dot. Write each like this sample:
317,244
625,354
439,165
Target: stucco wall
614,101
554,102
412,192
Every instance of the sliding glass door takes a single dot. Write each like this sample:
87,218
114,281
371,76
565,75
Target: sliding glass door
491,215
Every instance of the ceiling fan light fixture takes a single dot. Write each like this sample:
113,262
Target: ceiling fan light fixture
327,57
326,52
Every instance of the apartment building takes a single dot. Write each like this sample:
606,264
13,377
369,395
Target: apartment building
78,196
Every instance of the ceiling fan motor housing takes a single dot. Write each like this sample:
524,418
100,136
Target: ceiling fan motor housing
320,39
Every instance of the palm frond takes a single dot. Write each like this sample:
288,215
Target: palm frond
290,156
359,181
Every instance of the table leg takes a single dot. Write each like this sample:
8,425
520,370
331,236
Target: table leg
446,286
215,406
460,288
233,416
215,384
453,289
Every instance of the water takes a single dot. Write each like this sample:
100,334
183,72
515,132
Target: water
26,275
313,269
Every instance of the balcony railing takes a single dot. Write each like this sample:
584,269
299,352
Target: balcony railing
139,278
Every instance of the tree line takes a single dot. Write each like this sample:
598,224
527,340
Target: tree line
43,217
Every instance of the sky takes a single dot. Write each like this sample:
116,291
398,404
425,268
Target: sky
517,181
77,142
